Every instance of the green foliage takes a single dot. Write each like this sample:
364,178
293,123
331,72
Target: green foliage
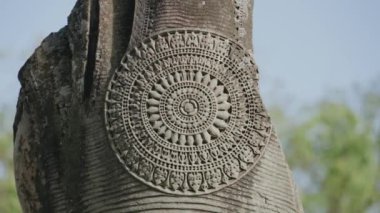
8,195
337,150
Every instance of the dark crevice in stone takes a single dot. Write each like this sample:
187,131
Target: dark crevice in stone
92,47
124,12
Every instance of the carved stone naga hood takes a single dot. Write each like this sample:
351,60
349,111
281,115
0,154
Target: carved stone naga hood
148,106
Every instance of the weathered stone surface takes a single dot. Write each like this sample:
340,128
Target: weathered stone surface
76,131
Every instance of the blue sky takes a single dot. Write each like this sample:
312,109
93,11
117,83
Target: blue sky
304,48
309,48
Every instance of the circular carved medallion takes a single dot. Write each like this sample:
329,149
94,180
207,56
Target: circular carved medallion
183,112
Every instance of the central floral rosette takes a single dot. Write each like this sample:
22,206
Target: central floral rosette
189,108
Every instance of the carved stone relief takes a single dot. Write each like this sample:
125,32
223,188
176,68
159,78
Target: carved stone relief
148,106
183,112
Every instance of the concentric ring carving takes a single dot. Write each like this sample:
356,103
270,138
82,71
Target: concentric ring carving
183,112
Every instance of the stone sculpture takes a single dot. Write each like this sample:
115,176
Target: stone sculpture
148,106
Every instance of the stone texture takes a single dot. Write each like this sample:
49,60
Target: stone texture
64,161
